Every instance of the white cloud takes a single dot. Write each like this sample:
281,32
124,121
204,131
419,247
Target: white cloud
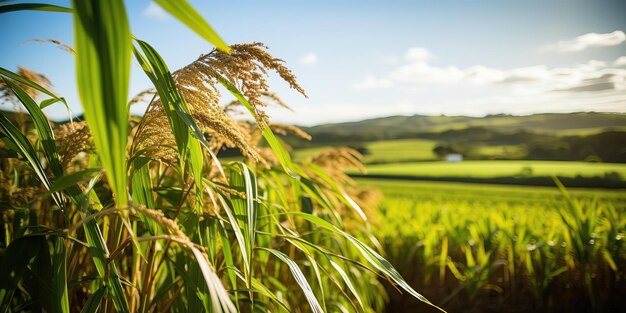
593,65
417,69
371,82
481,75
155,11
343,110
476,105
550,102
526,74
417,54
422,72
309,59
428,87
522,80
588,40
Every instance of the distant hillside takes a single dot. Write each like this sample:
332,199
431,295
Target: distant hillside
579,123
582,123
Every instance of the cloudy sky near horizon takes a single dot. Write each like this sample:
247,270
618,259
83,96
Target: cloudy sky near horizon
362,59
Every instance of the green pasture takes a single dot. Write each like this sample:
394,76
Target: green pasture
501,151
400,150
588,131
482,194
385,151
486,169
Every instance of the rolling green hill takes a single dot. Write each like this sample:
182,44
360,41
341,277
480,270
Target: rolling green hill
580,123
587,136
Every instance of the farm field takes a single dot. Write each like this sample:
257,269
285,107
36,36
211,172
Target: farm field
399,150
501,151
478,247
497,169
386,151
486,192
407,150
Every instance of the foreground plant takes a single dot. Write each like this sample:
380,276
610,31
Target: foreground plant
95,221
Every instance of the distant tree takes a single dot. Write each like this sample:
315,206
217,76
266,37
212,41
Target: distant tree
444,149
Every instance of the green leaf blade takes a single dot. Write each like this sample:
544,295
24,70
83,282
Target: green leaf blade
59,295
34,7
93,303
23,146
46,136
300,279
103,48
188,136
13,265
242,179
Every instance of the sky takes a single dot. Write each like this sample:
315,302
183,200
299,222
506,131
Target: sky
364,59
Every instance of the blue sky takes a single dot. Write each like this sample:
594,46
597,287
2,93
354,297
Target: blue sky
361,59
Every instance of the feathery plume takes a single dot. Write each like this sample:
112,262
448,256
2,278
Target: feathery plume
284,129
72,138
55,42
246,67
143,96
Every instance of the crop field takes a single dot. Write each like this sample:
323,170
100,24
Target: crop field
177,189
497,168
504,249
501,151
386,151
486,192
407,150
400,150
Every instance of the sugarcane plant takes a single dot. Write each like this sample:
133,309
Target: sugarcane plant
142,214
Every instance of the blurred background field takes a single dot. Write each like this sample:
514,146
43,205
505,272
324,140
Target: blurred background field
480,247
499,169
469,209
